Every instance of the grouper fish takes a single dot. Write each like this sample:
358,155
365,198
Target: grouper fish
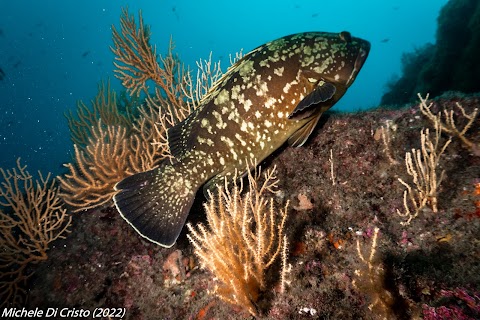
275,93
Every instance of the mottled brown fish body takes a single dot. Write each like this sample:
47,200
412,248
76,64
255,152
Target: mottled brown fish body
275,93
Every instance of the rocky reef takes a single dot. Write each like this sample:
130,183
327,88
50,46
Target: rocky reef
351,257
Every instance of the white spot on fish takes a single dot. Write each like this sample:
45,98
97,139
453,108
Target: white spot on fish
247,105
246,68
278,71
227,140
220,124
222,97
239,138
235,156
270,102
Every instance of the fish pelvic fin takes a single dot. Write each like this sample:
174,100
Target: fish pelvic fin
299,137
156,203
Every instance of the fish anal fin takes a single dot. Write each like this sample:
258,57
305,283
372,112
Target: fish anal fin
210,187
223,179
299,137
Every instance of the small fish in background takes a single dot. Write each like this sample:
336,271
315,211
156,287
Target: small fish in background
315,15
2,74
274,94
174,10
17,64
86,53
1,33
385,40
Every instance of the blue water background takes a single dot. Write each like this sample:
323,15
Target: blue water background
54,53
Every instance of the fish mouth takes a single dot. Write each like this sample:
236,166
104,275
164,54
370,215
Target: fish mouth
361,58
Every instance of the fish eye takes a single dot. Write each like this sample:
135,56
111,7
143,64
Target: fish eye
346,36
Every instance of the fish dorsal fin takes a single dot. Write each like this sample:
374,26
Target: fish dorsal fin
299,137
323,92
176,141
178,136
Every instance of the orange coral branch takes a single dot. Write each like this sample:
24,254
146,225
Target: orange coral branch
245,237
109,157
103,163
446,120
104,107
35,217
137,63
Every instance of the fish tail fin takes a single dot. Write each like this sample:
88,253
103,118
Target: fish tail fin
156,203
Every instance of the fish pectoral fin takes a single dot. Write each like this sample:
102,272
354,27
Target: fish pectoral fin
299,137
155,203
323,92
